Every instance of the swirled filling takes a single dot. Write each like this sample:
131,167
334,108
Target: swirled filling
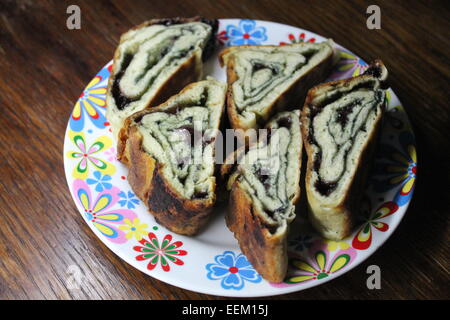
341,121
270,171
180,137
264,73
148,57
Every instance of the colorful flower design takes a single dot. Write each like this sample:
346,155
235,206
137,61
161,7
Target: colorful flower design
158,253
349,65
111,154
222,37
100,182
393,117
319,264
101,212
129,199
91,104
397,167
232,270
88,155
301,38
245,33
134,229
301,242
335,245
363,238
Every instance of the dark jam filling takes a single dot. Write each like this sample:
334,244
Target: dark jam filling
261,174
200,195
196,136
285,122
309,54
327,187
121,100
175,109
276,70
342,113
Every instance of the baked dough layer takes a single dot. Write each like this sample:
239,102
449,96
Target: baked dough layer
264,189
170,152
340,123
154,61
266,79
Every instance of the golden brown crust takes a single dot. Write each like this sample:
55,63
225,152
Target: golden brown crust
266,252
291,98
336,221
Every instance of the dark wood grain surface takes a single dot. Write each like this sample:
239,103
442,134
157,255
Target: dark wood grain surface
44,67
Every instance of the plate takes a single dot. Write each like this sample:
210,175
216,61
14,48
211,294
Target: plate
212,262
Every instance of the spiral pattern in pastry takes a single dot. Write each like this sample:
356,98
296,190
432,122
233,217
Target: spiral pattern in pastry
148,65
270,171
342,116
180,138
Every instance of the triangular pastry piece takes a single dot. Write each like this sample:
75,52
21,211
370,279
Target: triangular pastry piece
170,152
264,186
263,80
154,61
340,122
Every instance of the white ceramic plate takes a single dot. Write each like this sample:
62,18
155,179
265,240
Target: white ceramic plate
211,262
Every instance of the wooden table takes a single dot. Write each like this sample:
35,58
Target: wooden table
44,67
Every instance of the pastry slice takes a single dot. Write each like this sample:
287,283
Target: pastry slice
340,123
264,187
154,61
263,80
170,153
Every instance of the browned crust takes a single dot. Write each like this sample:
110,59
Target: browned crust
291,98
266,252
347,208
187,73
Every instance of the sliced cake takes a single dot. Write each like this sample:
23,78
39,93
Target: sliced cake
154,61
264,186
170,150
340,122
263,80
